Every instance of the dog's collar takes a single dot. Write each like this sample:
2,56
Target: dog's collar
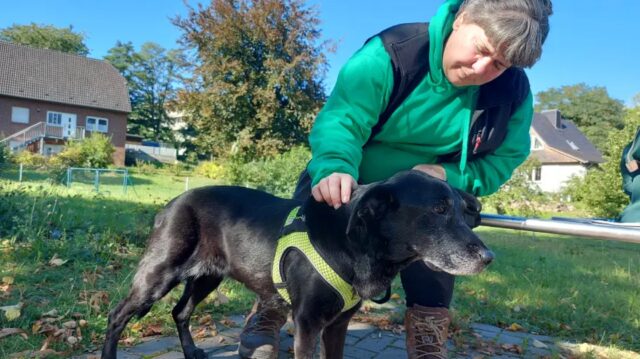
295,236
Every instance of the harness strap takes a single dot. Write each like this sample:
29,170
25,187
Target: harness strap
300,241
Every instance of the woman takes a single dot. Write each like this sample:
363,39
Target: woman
476,49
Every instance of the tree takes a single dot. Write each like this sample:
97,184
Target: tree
590,108
601,189
46,37
152,75
256,84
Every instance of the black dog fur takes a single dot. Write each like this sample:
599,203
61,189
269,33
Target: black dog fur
208,233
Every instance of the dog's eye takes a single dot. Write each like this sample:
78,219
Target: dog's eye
440,208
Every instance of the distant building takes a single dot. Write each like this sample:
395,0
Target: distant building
562,150
48,97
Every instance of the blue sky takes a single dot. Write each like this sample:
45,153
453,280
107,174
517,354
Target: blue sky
592,41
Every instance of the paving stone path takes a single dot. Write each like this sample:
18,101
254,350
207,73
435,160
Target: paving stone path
363,341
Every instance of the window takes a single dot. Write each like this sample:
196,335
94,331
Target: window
97,124
54,118
19,115
537,174
536,144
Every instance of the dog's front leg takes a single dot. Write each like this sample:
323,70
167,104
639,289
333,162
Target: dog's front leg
333,336
307,330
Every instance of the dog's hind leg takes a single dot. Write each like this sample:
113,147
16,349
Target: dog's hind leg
195,291
148,287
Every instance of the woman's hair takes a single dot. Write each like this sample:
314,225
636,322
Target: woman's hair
516,28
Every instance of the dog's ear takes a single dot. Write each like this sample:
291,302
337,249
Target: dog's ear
472,208
368,210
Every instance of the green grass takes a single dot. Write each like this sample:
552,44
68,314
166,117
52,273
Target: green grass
582,290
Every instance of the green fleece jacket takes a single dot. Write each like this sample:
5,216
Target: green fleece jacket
434,120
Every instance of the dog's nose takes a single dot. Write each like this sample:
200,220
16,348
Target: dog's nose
486,256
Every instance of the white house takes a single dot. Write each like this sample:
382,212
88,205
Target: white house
562,150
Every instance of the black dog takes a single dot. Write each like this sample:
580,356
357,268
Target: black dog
212,232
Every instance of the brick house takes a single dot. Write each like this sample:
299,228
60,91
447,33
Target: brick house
562,150
48,97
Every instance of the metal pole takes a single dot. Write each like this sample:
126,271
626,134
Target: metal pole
124,181
20,176
97,181
68,176
576,227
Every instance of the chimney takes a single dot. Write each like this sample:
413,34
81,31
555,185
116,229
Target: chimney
554,117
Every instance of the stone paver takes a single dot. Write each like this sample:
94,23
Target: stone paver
363,341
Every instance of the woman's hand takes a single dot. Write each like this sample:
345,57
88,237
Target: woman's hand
334,189
433,170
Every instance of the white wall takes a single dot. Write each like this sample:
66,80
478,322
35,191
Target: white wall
553,177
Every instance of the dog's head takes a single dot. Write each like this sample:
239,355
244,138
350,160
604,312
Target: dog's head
420,217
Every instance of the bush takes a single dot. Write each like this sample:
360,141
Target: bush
600,191
95,151
29,159
211,170
277,175
519,196
5,154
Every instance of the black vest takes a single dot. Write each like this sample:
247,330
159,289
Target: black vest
408,48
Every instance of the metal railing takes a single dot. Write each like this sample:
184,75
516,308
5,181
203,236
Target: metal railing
625,232
36,132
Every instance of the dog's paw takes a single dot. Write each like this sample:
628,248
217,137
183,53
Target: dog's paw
195,353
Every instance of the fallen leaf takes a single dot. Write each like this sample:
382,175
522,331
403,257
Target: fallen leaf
220,299
51,313
538,344
57,262
395,296
152,329
5,332
136,327
72,340
7,280
515,327
12,312
206,320
98,299
72,324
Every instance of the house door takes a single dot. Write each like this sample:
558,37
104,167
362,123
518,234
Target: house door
68,125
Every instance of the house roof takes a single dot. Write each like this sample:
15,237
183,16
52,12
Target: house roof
54,76
563,137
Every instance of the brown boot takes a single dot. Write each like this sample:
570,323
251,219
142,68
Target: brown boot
426,329
260,337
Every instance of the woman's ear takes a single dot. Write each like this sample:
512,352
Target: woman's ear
458,21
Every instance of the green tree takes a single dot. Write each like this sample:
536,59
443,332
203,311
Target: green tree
256,84
590,108
46,37
153,75
600,191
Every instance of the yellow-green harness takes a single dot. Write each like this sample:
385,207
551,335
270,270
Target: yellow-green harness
300,240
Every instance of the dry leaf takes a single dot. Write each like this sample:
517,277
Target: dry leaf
5,332
7,280
206,320
12,312
51,313
72,340
136,327
97,299
57,262
72,324
515,327
395,296
538,344
152,329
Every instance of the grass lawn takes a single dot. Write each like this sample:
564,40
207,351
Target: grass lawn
67,255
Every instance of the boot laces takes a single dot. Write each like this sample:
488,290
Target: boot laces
429,335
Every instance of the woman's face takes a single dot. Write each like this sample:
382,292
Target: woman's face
469,58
